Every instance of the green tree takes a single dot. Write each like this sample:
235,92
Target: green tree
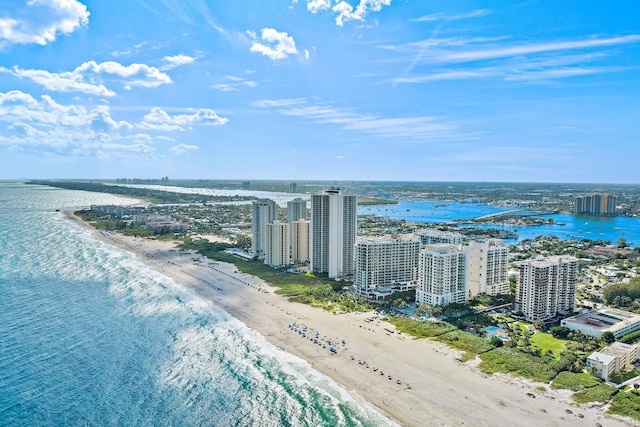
608,337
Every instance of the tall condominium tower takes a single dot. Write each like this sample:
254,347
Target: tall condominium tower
595,204
488,268
277,247
430,236
442,275
299,232
333,233
385,265
296,209
265,211
547,287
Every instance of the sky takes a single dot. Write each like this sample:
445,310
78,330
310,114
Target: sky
404,90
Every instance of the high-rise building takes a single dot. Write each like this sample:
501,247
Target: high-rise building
277,247
293,187
488,268
385,265
333,233
442,276
299,232
595,204
547,286
264,212
431,236
296,209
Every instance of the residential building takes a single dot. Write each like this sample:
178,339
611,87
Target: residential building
299,241
264,212
431,236
607,319
612,360
333,233
386,265
442,276
488,268
296,209
547,287
277,246
595,204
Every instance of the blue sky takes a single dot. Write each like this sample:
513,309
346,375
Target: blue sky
438,90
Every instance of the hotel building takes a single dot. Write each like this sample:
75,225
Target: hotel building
385,265
547,287
333,233
264,212
488,268
443,271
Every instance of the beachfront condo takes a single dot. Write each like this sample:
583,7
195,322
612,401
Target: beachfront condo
264,212
443,274
488,268
547,287
333,233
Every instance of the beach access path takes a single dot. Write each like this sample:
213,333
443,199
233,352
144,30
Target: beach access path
417,382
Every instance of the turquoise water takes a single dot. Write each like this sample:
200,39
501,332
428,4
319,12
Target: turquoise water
567,226
90,335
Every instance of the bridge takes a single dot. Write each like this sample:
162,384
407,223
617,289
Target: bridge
516,212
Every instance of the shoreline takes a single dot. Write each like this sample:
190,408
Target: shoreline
414,382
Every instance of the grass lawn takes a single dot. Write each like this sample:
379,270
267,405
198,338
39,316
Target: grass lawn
575,382
599,393
627,404
623,376
546,342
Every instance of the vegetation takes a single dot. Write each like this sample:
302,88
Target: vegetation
623,295
419,329
631,337
575,382
370,201
472,345
513,361
599,393
626,404
548,344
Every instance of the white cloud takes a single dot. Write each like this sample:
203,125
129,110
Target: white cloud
315,6
443,17
182,149
234,84
413,128
346,11
278,45
85,78
45,125
40,21
159,120
176,61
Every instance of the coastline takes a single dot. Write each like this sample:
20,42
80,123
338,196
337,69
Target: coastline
443,391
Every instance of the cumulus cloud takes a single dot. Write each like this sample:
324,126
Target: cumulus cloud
183,149
176,61
314,6
274,44
345,11
44,124
159,120
86,77
40,21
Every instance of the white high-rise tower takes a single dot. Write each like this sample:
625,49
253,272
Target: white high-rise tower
264,212
488,267
333,233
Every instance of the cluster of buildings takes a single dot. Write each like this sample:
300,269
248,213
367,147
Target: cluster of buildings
595,204
136,215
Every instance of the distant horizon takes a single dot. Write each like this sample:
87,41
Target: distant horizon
328,181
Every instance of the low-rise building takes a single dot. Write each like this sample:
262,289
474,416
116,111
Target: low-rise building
596,322
612,360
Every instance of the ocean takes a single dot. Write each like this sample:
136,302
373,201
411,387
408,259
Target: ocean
91,335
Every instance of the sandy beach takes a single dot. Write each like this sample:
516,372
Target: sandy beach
415,382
